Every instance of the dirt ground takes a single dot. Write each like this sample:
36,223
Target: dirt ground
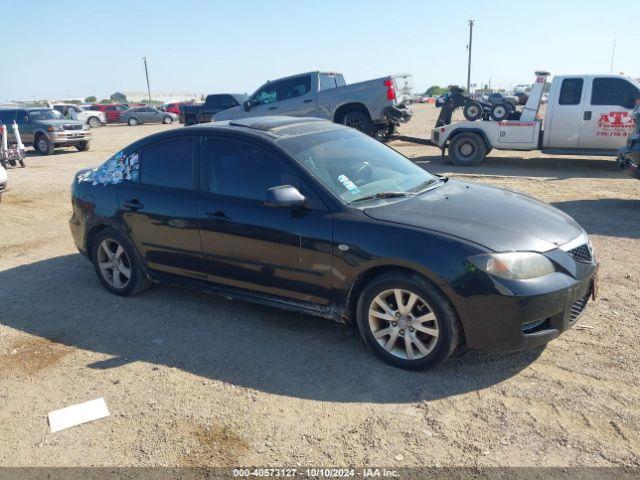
196,380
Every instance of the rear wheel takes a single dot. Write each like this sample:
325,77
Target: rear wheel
166,120
190,120
472,111
43,145
358,120
117,265
500,112
407,321
94,122
133,121
467,149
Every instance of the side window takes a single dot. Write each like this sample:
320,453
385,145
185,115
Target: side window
231,168
168,164
327,82
613,91
295,87
110,108
267,94
21,117
571,91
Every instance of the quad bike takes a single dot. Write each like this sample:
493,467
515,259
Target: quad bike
629,155
473,109
11,154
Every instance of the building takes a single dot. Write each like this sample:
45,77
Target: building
118,97
164,97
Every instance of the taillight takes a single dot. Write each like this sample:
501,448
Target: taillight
391,93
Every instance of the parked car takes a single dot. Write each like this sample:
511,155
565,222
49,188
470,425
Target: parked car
137,115
497,98
176,107
93,118
371,106
215,103
310,216
111,110
46,129
3,181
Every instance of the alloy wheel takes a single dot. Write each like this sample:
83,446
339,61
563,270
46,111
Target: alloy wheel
114,264
403,324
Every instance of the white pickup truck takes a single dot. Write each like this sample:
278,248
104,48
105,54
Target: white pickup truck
586,115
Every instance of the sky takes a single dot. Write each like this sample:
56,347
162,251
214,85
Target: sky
73,49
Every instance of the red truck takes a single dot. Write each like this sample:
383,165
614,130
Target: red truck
111,110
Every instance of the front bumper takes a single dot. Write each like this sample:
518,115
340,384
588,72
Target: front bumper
69,137
398,115
505,322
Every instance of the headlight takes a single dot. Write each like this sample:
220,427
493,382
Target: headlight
55,128
514,265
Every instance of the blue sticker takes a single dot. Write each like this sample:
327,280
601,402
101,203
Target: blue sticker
115,170
348,184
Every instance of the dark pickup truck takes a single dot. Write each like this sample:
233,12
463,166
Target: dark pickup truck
202,113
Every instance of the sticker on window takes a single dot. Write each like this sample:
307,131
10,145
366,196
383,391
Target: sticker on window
348,184
117,169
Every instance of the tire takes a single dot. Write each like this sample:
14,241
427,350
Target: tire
82,146
190,120
472,111
43,145
94,122
22,163
133,122
109,240
358,120
167,120
431,341
499,112
467,149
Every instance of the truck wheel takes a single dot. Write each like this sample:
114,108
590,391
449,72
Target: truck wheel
82,146
358,120
472,111
94,122
190,121
43,145
499,112
133,121
467,149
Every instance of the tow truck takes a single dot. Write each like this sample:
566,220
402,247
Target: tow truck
586,115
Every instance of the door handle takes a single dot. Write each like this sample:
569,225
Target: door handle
587,115
219,216
308,100
133,205
272,108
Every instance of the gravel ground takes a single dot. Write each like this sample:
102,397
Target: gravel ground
194,380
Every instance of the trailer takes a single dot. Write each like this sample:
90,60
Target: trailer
586,115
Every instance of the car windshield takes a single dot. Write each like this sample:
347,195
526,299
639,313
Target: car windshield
45,114
355,167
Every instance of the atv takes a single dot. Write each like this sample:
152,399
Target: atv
629,155
473,109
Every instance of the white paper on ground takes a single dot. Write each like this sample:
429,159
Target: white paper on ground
77,414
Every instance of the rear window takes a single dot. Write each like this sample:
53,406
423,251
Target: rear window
221,101
295,87
614,91
168,164
571,91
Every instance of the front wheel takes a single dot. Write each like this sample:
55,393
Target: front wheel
472,111
117,265
358,120
499,112
43,145
407,321
22,163
166,120
82,146
94,122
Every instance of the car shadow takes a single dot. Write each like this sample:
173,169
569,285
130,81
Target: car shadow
548,167
243,344
612,217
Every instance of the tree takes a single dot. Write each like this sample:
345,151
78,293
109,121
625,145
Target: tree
90,99
434,91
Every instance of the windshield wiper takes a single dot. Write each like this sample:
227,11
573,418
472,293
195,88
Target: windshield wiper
381,195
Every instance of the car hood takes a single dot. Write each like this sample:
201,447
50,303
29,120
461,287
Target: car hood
61,121
497,219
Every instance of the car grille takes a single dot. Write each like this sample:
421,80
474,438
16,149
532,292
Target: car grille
72,127
577,308
581,254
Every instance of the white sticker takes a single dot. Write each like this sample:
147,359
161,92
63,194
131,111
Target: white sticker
348,184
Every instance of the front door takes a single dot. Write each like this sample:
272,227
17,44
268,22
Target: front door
296,98
281,252
607,119
566,117
263,102
160,208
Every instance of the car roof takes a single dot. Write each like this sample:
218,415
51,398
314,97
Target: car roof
271,128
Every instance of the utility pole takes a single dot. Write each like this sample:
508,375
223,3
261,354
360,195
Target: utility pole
613,53
146,72
469,64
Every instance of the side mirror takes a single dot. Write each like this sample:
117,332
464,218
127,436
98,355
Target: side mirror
284,196
247,105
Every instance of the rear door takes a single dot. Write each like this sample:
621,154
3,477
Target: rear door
297,97
607,119
566,116
160,210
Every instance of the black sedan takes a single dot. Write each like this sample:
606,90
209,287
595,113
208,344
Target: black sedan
310,216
